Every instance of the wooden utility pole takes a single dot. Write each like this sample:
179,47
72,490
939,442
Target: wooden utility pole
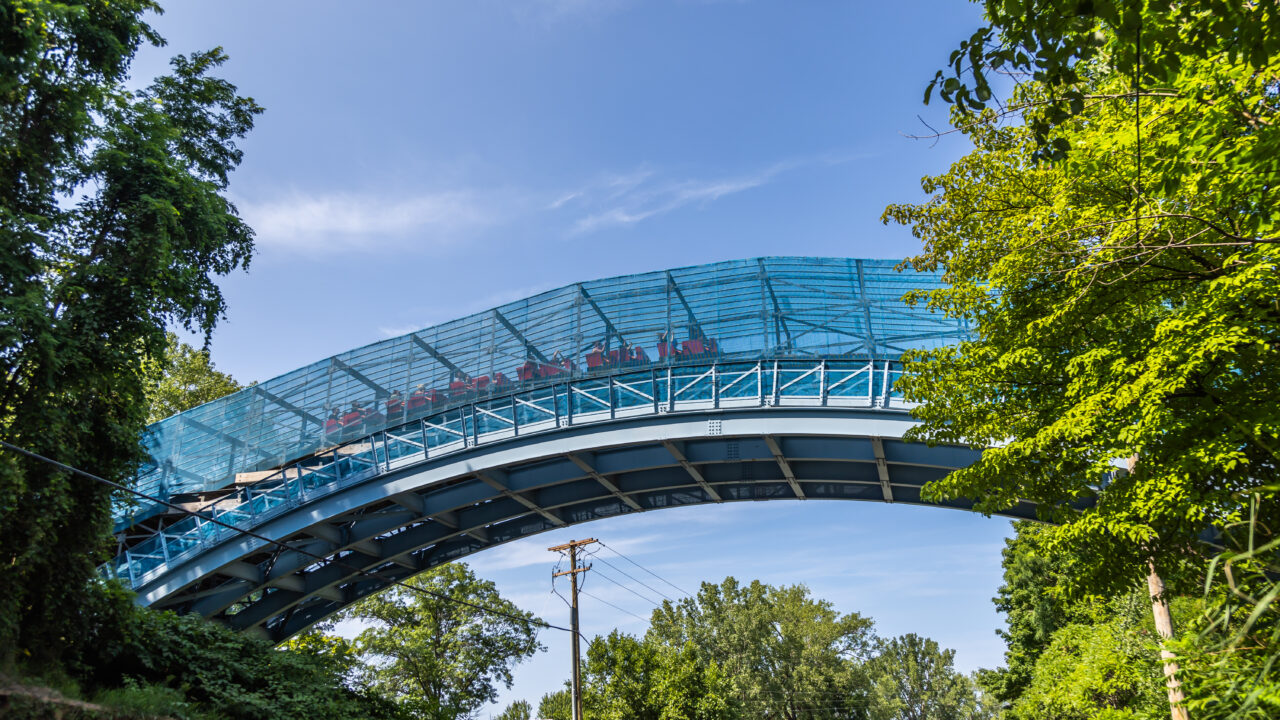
572,546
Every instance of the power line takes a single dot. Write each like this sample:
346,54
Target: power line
280,544
682,591
628,589
634,579
615,607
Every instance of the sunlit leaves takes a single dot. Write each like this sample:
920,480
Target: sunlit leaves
1121,307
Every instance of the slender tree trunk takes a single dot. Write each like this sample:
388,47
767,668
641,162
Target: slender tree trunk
1164,626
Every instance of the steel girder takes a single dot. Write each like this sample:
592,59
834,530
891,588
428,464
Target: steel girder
405,521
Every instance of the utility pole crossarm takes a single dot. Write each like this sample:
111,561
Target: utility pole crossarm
571,572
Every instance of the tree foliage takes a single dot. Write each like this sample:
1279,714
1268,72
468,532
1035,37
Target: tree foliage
1106,669
625,678
1108,324
518,710
784,653
761,651
1231,659
188,668
113,224
1115,248
556,705
914,679
1070,656
434,651
183,378
1059,45
1035,606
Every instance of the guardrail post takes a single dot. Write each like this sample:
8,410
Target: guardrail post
886,385
423,424
475,425
760,381
653,388
386,452
613,405
555,402
715,385
822,381
200,523
671,397
164,547
462,422
515,419
293,491
128,563
776,391
248,500
568,403
871,383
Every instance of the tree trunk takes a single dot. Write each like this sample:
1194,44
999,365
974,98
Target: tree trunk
1164,626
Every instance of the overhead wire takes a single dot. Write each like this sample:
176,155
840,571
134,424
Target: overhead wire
679,589
633,578
554,576
631,590
615,607
285,546
582,585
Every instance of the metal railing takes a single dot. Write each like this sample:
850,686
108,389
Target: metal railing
745,309
661,389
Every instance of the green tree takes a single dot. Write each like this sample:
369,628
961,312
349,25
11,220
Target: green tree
691,688
620,677
1124,297
1115,249
192,669
438,657
556,705
338,651
916,680
518,710
1073,657
1107,668
1090,349
625,678
1059,46
113,226
1035,606
183,378
784,654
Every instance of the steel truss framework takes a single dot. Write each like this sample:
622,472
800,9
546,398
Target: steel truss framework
758,309
792,400
409,498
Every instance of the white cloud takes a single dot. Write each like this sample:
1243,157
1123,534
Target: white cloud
330,223
639,201
627,199
327,223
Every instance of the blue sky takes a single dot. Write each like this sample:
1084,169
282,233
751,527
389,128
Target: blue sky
419,161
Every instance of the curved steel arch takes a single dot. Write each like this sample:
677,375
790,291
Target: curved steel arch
781,391
406,520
